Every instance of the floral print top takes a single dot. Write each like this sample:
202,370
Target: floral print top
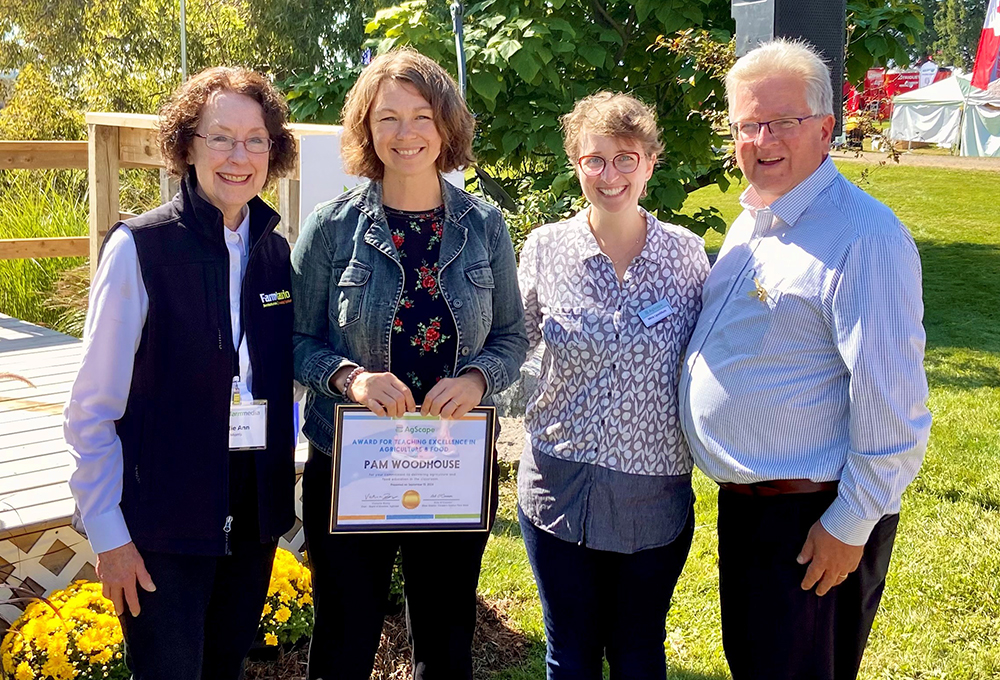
424,337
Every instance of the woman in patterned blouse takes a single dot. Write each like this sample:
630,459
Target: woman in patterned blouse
605,498
406,296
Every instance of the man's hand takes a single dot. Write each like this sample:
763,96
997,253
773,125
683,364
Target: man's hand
830,560
454,397
118,570
383,393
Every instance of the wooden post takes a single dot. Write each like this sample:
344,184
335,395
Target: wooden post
288,207
103,165
169,186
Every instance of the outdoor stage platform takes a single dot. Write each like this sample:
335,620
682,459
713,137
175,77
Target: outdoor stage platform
39,549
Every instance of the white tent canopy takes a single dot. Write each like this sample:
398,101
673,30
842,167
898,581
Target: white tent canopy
947,113
931,114
981,123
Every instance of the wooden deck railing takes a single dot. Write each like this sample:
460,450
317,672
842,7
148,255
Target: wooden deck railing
115,141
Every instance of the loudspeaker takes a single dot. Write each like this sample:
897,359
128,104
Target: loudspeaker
823,23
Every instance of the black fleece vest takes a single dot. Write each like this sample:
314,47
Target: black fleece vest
175,430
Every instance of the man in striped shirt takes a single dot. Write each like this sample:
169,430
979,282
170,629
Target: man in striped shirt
803,392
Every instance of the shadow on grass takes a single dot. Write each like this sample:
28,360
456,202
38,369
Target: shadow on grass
961,289
506,527
692,675
985,501
947,368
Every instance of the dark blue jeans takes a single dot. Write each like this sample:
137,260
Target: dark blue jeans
597,603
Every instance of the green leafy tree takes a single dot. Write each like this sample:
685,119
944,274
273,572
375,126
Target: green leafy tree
881,33
529,61
924,44
36,110
124,55
959,24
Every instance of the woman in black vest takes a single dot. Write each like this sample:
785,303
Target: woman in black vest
184,483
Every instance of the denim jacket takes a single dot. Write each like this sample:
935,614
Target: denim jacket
347,279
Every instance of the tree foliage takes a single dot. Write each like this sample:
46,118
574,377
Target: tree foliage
124,55
959,24
528,61
36,110
881,33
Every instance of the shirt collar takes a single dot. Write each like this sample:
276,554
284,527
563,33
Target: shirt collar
588,242
243,231
789,208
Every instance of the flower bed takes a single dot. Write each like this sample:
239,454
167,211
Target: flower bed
75,635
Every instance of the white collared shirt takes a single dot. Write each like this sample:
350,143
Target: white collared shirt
115,318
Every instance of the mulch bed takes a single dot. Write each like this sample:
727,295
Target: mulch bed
496,646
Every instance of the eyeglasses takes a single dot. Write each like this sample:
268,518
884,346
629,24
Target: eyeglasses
224,143
625,163
780,128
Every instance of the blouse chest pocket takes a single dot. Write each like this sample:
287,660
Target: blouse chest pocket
570,328
351,287
481,278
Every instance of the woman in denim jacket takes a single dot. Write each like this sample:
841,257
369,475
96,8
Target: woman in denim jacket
406,294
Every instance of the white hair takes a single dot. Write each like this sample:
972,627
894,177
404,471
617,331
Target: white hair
787,58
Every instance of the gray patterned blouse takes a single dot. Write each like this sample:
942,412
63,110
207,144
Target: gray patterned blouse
607,390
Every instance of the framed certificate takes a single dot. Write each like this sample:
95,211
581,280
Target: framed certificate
413,473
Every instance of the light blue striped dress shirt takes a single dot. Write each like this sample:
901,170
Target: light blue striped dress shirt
807,360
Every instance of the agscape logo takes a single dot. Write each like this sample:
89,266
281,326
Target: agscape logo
282,297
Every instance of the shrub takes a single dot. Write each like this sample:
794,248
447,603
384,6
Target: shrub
73,635
288,610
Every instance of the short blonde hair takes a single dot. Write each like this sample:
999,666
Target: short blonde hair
785,57
611,114
452,118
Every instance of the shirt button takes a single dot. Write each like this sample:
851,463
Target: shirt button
458,304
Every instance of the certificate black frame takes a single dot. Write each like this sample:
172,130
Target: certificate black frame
489,455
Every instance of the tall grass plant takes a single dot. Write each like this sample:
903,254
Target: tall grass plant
37,204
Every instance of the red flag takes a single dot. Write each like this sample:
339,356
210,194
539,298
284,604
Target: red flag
987,68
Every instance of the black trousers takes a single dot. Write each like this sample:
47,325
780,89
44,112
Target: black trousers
351,575
771,628
200,622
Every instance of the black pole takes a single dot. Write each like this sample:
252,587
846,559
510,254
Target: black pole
457,12
487,184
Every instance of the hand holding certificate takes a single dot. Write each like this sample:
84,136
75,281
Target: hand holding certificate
413,473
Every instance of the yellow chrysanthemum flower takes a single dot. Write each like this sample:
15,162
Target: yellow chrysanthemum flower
282,614
102,657
24,671
267,609
270,639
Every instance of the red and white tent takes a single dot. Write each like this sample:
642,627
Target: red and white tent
987,68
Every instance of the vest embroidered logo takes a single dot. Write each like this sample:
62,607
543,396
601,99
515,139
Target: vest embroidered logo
282,297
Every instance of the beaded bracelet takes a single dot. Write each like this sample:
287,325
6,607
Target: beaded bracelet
358,370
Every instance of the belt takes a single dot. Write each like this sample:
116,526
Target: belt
778,487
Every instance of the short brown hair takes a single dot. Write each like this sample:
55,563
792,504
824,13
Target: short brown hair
611,114
180,116
452,118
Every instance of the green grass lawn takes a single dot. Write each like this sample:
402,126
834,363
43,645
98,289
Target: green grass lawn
940,616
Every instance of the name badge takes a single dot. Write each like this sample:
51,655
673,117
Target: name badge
248,425
655,312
